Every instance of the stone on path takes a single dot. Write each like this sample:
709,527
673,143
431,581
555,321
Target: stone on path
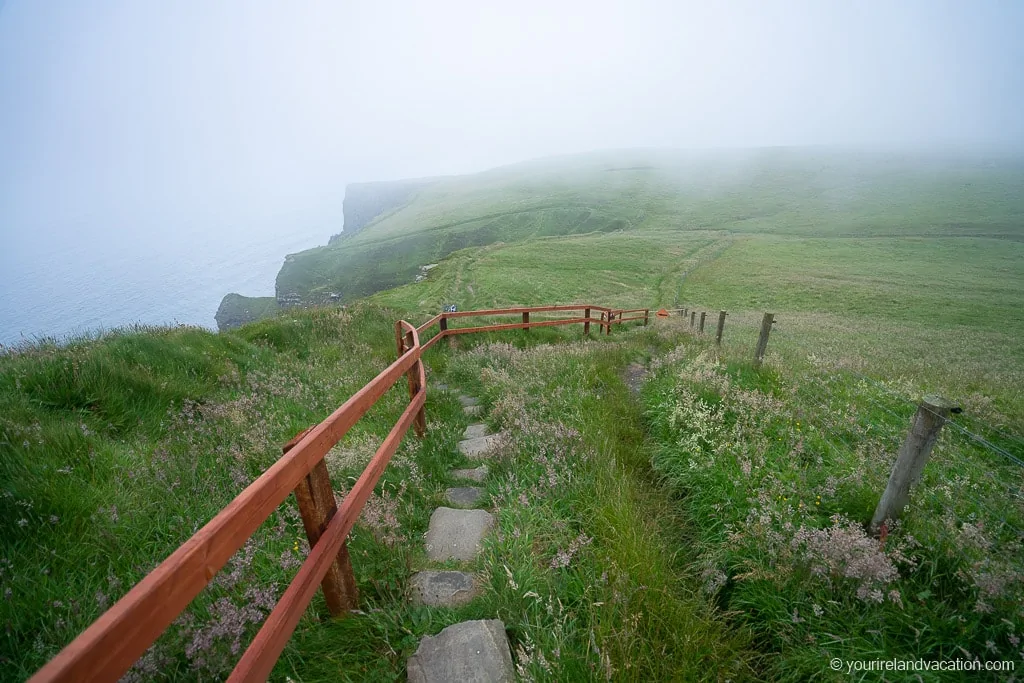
480,447
469,652
457,534
475,431
464,496
443,589
477,474
468,401
472,411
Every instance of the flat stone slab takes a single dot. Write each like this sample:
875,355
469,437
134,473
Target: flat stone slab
440,386
464,496
468,401
475,431
473,411
480,447
468,652
477,474
457,534
443,589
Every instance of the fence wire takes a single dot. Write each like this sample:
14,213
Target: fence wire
830,385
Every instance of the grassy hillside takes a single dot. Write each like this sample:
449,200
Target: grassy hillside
819,192
715,519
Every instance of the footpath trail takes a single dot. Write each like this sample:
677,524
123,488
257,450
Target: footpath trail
469,651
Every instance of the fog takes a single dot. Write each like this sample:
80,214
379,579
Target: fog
131,121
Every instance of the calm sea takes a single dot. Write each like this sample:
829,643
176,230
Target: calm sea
81,281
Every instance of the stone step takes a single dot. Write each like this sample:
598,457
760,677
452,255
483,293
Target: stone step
475,431
467,652
477,474
443,589
480,447
470,405
464,496
457,534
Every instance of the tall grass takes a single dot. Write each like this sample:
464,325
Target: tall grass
781,469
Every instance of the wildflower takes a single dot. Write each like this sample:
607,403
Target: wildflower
563,557
23,522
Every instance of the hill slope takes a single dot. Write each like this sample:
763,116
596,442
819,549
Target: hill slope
796,192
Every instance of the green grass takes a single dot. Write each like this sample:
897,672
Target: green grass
783,191
889,276
760,457
117,449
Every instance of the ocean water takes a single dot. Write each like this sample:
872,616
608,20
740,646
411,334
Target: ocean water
82,281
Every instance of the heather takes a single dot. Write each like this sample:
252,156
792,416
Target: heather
586,568
781,467
117,449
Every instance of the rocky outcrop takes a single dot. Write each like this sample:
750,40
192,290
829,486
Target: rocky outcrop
365,201
235,310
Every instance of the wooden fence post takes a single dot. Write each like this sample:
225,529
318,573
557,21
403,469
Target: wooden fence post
721,327
703,314
608,327
526,320
693,318
399,338
444,329
420,422
932,413
762,340
647,316
586,325
317,506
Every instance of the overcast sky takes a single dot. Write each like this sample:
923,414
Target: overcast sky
132,106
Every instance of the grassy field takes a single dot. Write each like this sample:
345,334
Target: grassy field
714,522
783,191
117,449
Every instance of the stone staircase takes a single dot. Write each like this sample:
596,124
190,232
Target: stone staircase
470,651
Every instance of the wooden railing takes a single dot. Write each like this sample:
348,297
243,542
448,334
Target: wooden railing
111,644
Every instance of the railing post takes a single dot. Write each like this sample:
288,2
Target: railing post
703,314
762,340
444,330
647,316
608,327
721,327
586,325
693,318
526,320
420,423
317,506
399,338
932,413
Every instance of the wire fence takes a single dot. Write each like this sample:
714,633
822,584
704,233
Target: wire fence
976,475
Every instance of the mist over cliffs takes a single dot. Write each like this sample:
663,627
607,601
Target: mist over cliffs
364,202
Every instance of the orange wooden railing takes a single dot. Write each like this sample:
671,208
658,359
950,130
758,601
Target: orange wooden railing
111,644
